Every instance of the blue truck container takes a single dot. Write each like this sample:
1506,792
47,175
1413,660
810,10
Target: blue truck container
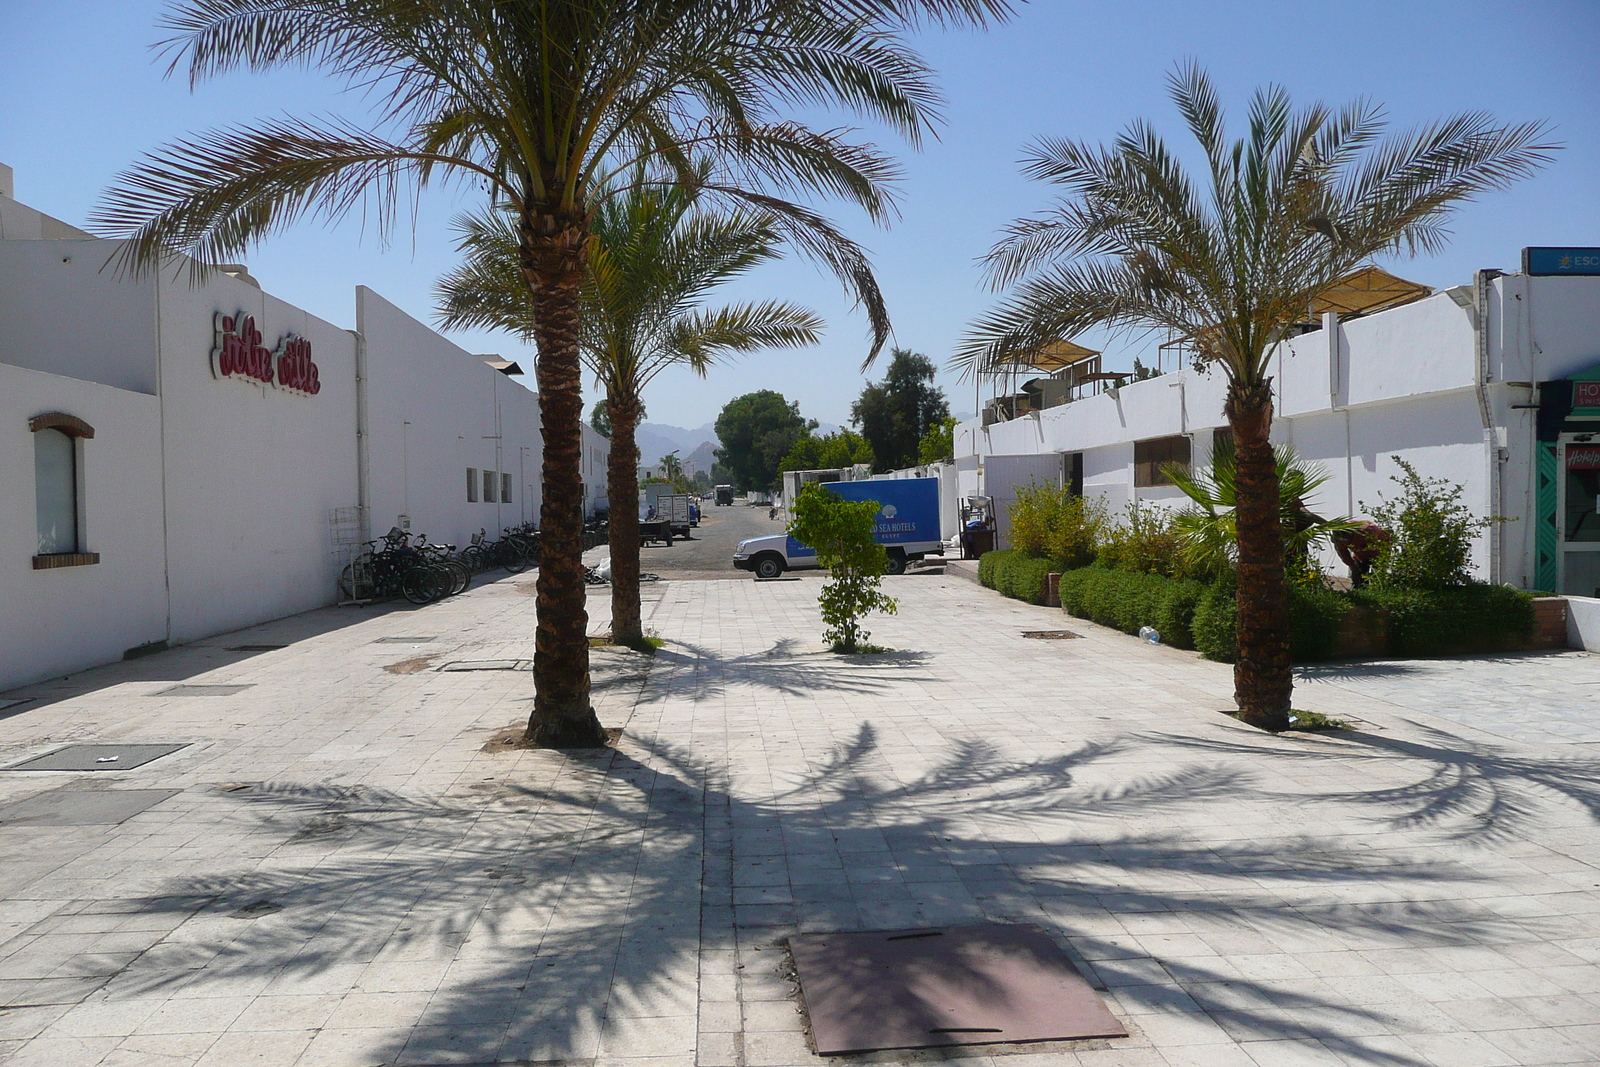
907,524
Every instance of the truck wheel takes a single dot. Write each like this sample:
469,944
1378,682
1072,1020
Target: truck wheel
897,562
769,566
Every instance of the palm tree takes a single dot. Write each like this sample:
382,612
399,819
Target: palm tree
653,257
537,103
1299,203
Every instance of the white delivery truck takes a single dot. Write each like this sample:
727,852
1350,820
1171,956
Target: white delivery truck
907,525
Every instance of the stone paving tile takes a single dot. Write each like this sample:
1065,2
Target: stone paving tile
347,878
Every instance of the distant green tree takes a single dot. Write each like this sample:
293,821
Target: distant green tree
841,532
840,449
896,413
600,418
938,445
757,430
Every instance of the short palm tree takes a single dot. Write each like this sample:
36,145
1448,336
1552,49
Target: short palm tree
537,103
653,257
1209,531
1304,199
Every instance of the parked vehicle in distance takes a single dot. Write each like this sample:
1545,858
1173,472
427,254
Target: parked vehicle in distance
724,496
674,508
907,525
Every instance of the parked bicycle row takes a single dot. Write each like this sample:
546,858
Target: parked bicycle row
402,565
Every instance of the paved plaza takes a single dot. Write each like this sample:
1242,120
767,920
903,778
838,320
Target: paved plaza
353,870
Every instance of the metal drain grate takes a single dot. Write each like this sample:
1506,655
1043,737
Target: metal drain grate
971,985
203,690
404,640
96,758
254,648
1051,635
488,665
82,807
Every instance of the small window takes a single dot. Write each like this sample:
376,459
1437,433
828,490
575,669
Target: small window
490,484
505,488
1150,456
472,485
55,473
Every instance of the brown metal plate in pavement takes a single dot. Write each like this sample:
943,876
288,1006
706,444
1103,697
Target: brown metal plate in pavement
956,985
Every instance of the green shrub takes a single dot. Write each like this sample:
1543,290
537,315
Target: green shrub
1407,622
1049,522
1433,534
1441,622
1128,600
1145,540
1216,623
1012,574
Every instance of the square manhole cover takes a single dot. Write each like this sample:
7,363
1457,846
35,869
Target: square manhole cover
203,690
485,665
82,807
1051,635
96,758
404,640
957,985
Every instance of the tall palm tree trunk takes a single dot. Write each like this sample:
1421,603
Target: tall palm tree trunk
1262,679
622,478
554,260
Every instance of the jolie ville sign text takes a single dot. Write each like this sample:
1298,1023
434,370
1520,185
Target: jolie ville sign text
239,353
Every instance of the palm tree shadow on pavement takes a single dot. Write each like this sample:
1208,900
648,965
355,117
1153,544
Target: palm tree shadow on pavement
577,905
1440,781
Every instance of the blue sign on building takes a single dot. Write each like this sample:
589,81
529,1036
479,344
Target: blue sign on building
1561,261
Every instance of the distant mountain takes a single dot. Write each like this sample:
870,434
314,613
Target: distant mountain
700,459
656,439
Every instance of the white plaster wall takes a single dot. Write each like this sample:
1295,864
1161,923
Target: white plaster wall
434,410
53,622
1583,623
62,314
1545,328
253,473
1004,475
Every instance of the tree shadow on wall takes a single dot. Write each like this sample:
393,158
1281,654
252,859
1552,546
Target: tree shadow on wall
571,907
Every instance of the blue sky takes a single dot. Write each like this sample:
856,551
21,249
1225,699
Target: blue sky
85,97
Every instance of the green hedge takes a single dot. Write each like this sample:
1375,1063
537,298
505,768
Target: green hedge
1325,624
1128,600
1017,576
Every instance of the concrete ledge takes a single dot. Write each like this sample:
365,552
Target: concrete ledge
1583,623
962,568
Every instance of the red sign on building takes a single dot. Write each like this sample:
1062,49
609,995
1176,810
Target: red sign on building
1583,457
1586,394
239,353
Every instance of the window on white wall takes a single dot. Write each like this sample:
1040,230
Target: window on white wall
472,485
505,488
55,479
58,490
490,485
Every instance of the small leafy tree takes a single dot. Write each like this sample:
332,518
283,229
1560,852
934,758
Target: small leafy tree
1433,533
1144,540
938,445
841,532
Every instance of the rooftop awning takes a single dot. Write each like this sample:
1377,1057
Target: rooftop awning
1366,290
504,366
1055,356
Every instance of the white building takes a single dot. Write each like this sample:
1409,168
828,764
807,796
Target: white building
154,490
1495,385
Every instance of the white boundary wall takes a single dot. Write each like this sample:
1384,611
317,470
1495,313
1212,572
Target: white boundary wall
1401,382
210,501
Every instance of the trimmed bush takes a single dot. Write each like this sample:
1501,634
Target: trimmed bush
1443,622
1129,599
1012,574
1325,624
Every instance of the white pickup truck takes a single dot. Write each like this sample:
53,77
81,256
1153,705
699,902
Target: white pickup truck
907,525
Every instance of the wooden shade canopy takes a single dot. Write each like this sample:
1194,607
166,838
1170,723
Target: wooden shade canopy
1366,290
